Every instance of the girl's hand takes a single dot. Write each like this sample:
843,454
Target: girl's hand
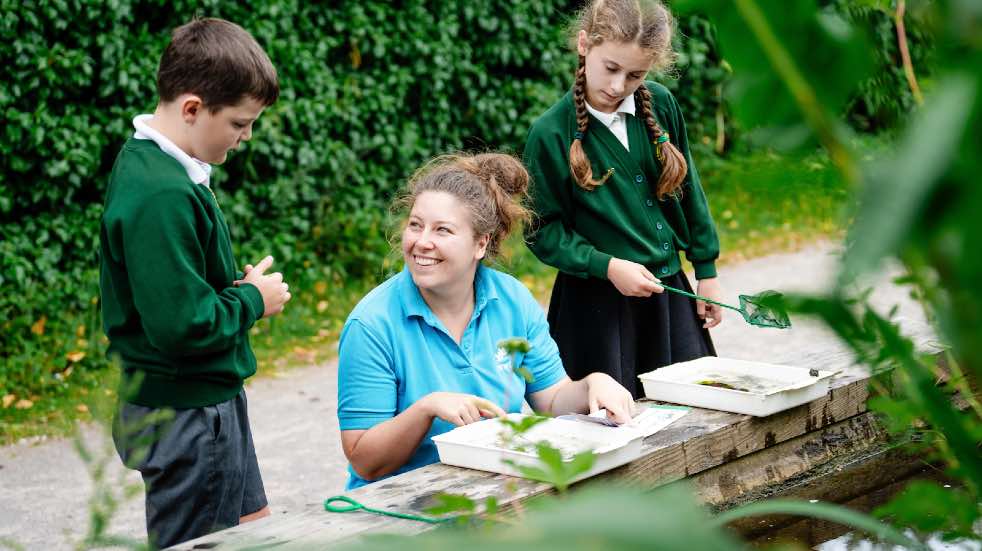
632,279
604,392
711,314
460,409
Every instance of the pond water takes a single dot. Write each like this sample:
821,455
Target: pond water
828,536
852,542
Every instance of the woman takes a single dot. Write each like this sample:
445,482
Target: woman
419,354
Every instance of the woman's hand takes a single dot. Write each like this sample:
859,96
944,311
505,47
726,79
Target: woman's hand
604,392
711,314
632,279
460,409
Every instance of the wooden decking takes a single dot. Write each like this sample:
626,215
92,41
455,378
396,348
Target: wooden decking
724,455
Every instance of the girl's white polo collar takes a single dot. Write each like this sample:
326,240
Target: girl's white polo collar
198,171
627,106
616,121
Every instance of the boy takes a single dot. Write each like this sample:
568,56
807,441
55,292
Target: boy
175,310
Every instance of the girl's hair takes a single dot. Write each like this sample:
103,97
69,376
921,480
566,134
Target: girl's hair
648,24
492,186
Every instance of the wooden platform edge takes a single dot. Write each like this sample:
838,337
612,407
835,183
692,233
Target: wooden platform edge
700,441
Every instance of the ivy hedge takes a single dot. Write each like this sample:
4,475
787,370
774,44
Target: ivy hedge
369,90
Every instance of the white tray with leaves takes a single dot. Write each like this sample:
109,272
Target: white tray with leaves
558,451
738,386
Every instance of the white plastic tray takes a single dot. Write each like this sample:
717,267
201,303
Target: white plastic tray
769,388
478,445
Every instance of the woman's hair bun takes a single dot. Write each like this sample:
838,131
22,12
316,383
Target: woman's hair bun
504,170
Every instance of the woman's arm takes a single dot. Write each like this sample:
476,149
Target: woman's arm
384,448
595,391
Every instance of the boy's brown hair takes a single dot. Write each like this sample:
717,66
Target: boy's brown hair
218,61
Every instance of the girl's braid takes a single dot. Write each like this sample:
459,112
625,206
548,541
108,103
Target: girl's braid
673,166
579,164
579,98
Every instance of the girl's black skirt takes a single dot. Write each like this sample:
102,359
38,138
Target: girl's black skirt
599,329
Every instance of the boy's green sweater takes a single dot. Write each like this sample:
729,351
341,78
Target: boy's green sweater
169,306
578,231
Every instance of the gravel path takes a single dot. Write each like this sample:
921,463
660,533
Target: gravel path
45,487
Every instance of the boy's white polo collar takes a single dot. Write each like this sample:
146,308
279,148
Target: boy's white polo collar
626,107
198,171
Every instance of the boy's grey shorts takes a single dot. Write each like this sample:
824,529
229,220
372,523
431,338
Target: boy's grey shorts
199,467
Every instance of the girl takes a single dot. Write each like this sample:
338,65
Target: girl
419,353
617,197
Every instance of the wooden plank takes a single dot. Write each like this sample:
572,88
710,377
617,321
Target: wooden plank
701,440
704,438
787,460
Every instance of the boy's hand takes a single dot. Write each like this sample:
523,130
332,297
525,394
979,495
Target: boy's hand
275,293
245,272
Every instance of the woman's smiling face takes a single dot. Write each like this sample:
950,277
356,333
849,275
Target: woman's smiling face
439,245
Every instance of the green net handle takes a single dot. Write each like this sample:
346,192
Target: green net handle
697,297
348,505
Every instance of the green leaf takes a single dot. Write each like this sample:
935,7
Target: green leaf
550,457
792,63
522,425
899,415
581,463
525,374
451,503
515,345
529,471
927,507
491,506
894,195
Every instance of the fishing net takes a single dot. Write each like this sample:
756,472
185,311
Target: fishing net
765,309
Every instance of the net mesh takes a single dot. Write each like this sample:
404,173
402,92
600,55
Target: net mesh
765,310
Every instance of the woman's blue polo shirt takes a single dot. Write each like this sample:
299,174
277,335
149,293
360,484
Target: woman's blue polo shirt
394,351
